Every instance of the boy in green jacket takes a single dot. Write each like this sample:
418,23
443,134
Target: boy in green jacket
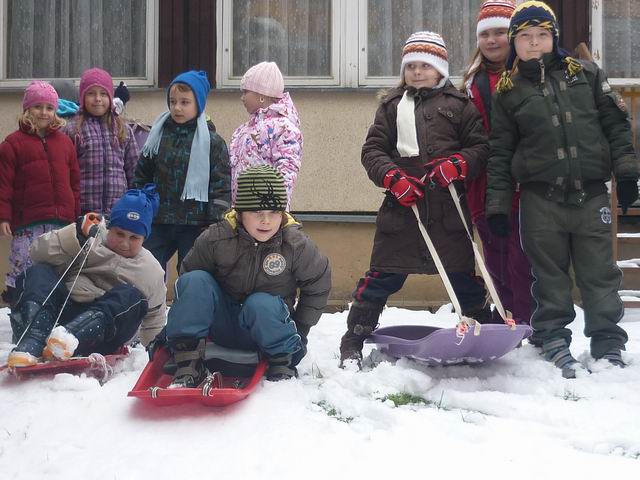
559,130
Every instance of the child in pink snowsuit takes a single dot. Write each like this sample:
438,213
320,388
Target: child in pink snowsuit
272,135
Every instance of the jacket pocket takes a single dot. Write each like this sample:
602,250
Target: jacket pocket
393,217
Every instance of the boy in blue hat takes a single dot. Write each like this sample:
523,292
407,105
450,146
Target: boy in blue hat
189,162
114,286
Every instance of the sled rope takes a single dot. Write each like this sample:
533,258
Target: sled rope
483,267
99,363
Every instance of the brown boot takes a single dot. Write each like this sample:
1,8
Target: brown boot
362,320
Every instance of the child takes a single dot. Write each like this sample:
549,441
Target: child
189,162
39,179
505,260
239,284
272,135
425,123
105,144
118,290
554,123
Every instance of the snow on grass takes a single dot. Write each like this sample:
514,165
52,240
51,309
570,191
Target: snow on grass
513,418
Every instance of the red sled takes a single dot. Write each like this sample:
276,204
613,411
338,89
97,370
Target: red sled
97,365
236,374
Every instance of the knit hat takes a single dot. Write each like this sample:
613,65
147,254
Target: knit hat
494,14
198,82
426,47
135,210
95,77
264,78
39,92
261,188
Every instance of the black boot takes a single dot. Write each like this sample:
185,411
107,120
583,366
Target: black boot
362,320
188,354
557,352
29,350
280,368
9,296
20,319
83,335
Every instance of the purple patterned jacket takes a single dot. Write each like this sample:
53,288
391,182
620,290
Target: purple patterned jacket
106,166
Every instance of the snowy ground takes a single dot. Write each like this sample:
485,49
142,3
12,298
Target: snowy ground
514,418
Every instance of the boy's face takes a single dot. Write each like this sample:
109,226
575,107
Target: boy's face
43,114
124,242
251,101
261,225
494,44
96,101
182,105
419,75
533,42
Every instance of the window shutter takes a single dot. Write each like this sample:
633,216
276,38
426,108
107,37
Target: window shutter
573,17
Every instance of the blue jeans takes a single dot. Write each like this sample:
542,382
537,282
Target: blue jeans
165,240
202,309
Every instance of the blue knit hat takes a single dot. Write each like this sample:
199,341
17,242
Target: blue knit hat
135,210
198,82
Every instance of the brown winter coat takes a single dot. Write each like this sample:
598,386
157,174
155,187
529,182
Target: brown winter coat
446,123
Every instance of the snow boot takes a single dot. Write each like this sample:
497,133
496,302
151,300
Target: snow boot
614,357
280,368
61,344
29,350
557,351
362,320
188,353
85,333
9,296
21,319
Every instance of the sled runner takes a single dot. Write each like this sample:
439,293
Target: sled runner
235,375
100,366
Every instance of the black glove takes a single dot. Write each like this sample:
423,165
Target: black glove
627,191
499,225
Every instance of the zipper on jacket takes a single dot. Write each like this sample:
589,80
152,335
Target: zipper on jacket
105,154
53,188
541,70
252,273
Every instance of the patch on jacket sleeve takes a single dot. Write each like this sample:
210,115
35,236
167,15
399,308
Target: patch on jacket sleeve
274,264
606,88
605,215
618,101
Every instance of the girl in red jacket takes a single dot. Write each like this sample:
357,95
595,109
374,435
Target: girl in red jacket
39,178
506,262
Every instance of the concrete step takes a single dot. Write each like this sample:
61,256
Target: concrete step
631,274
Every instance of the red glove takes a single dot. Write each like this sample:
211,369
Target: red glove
405,188
89,224
445,170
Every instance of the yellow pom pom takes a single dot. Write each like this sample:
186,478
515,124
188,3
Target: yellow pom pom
505,83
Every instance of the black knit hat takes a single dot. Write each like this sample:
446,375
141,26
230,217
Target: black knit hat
260,188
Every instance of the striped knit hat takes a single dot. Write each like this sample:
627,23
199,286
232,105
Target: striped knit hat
264,78
261,188
494,14
426,47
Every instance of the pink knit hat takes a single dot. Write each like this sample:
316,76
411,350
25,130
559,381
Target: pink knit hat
39,92
264,78
93,77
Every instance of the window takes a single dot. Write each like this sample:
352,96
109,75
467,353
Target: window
62,38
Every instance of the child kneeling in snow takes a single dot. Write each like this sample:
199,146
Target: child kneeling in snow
238,284
116,288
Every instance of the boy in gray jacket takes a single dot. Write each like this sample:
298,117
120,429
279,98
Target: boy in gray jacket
239,283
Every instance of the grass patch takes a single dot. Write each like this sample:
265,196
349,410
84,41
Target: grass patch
331,411
406,398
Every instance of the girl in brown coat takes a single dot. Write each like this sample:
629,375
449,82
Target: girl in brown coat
423,127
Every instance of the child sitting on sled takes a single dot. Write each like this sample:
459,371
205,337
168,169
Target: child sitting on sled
239,283
112,289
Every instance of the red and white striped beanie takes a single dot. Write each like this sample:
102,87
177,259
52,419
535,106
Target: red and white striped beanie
426,47
494,14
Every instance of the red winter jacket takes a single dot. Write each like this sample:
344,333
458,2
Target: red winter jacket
39,179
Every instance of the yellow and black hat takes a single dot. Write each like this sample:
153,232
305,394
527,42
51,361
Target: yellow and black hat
261,188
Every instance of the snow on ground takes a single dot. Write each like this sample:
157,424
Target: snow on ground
513,418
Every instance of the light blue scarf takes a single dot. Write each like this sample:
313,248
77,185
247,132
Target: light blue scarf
196,185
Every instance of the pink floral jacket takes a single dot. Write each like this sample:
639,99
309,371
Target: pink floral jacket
271,136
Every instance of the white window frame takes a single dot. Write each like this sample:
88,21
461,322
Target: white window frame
224,76
151,67
597,44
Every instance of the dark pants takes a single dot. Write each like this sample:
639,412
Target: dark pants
165,240
202,309
376,287
124,306
509,268
556,236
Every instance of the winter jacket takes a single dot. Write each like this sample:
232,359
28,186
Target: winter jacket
272,136
287,262
106,165
560,136
168,170
103,270
446,123
39,179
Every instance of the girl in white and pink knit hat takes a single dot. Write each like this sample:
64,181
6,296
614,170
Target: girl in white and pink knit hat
272,135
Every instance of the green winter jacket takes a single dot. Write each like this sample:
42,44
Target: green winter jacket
563,136
168,170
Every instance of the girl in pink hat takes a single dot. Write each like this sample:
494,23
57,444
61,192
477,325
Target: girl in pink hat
39,179
272,135
105,144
